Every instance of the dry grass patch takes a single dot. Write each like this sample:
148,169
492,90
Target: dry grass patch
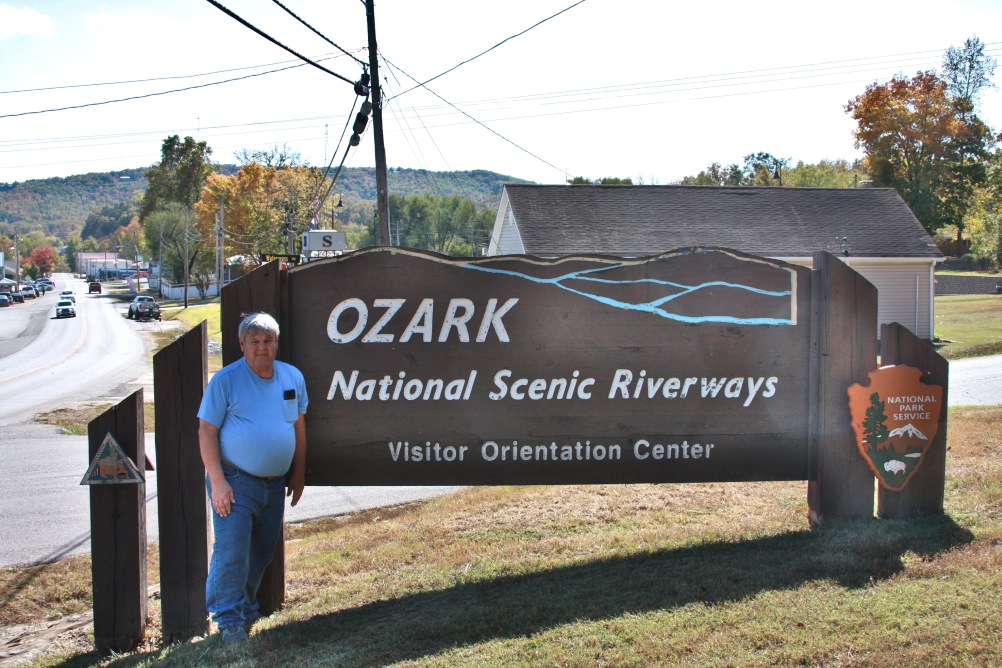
73,419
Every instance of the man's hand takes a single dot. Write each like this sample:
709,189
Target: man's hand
294,486
208,445
222,498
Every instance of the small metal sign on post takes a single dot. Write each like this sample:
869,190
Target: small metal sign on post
111,466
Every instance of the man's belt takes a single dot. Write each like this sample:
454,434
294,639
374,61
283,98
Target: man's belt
262,478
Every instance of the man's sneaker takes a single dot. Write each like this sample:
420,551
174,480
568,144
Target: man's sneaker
233,634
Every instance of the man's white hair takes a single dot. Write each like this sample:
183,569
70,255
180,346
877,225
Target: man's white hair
258,322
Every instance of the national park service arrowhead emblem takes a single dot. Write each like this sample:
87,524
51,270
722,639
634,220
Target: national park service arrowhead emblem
895,417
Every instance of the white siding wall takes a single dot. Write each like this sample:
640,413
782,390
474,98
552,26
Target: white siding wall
511,240
896,291
903,294
505,239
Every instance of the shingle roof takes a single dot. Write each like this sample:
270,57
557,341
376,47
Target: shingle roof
765,221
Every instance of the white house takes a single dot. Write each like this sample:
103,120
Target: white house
871,229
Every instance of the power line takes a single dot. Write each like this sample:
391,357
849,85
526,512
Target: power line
507,39
140,97
492,131
274,41
321,35
135,81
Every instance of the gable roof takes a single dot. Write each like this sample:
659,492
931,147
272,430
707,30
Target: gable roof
765,221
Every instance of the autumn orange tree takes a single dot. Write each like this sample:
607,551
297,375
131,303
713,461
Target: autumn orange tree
257,201
42,261
925,143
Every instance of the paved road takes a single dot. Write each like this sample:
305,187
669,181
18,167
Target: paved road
99,356
976,381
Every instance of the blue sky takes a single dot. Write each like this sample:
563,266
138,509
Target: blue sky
650,90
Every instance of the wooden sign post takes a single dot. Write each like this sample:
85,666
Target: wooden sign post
118,532
179,376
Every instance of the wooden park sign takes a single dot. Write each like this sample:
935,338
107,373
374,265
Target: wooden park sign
421,369
698,365
695,365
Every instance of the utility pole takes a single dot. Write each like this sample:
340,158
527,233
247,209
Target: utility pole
382,194
17,260
186,256
220,247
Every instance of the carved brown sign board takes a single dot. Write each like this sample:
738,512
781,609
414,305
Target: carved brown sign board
683,367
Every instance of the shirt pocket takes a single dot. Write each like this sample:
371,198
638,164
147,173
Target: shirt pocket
291,407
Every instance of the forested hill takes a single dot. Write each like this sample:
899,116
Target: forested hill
60,206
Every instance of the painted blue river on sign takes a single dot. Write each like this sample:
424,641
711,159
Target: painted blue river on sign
577,283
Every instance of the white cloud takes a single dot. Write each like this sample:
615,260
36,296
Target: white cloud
24,21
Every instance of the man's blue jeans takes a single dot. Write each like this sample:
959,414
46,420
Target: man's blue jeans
244,545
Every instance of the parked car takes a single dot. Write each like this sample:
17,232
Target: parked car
144,306
46,283
4,300
16,298
68,294
28,291
64,308
94,287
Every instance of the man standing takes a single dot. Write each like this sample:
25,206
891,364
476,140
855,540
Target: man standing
252,437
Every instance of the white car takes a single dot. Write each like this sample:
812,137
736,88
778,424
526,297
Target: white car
65,308
68,294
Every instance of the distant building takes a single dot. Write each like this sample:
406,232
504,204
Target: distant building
870,229
105,266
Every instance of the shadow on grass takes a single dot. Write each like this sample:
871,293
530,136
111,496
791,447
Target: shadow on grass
851,554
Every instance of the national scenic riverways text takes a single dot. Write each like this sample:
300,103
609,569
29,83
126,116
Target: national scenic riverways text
624,384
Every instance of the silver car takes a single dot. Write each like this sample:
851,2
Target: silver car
65,309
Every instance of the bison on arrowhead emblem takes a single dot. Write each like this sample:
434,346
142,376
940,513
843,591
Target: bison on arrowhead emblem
895,418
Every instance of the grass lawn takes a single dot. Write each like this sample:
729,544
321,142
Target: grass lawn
605,575
968,325
195,314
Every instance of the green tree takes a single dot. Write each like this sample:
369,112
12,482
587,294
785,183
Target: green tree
163,231
103,222
968,72
604,181
824,174
875,423
72,246
178,180
984,217
715,175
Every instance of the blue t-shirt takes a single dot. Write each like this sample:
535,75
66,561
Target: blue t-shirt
255,416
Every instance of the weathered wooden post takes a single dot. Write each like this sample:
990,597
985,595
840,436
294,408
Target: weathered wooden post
180,372
844,341
260,290
924,493
118,526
